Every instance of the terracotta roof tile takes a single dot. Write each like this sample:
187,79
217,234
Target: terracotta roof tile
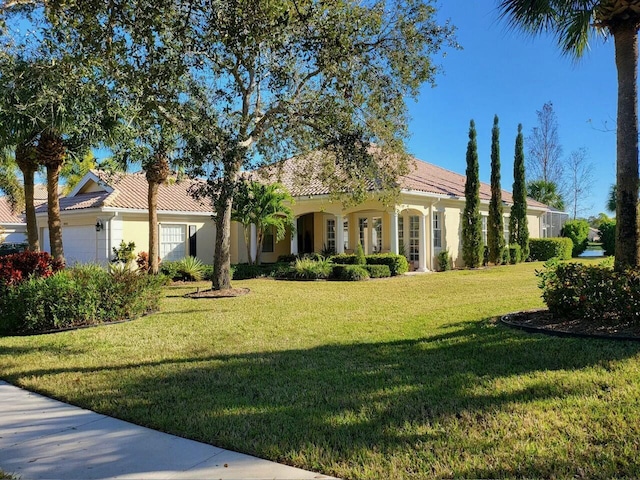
7,215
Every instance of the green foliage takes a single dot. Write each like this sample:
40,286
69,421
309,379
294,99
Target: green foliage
191,269
505,255
545,192
445,262
591,292
472,247
608,237
378,271
288,258
397,264
518,227
542,249
578,232
308,269
350,273
515,254
495,220
124,253
170,268
345,259
11,248
82,295
360,257
245,271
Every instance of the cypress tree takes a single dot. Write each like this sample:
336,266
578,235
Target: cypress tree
518,228
471,222
495,226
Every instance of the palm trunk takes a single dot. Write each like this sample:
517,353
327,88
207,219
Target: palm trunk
53,210
152,198
247,241
26,163
627,237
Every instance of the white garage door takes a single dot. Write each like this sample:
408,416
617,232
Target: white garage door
79,244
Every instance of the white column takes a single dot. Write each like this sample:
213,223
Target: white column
254,243
422,250
394,232
430,249
339,234
294,238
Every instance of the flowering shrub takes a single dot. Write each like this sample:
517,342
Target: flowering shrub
591,292
19,267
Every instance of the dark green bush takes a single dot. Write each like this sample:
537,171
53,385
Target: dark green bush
608,237
170,268
578,232
515,254
543,249
287,258
349,273
397,264
505,256
82,295
244,271
344,259
591,292
378,271
360,257
445,262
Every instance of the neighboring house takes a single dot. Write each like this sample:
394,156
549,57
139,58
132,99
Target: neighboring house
594,235
102,211
424,220
13,228
105,209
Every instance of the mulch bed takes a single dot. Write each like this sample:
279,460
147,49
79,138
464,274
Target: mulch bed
542,321
233,292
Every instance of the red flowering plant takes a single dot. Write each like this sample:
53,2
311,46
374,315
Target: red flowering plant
19,267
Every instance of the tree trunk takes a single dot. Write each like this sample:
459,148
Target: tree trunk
627,243
25,158
152,198
53,211
223,206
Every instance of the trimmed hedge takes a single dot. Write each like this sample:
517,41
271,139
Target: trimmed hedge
397,264
608,237
378,271
578,232
543,249
349,273
82,295
591,292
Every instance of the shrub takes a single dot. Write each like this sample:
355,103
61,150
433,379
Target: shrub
142,260
19,267
11,248
608,237
287,258
543,249
124,253
578,232
170,268
591,292
344,259
378,271
397,264
349,273
515,254
485,256
191,269
309,269
445,262
505,256
207,272
360,258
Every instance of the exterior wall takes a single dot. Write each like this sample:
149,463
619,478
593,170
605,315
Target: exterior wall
533,222
13,233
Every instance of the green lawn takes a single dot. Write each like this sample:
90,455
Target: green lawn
407,377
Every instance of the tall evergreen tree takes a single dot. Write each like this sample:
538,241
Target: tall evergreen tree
471,221
518,228
495,227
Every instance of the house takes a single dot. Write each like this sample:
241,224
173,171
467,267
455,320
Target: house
105,209
425,219
13,228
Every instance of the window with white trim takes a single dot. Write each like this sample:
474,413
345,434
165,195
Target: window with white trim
173,242
437,230
484,229
414,238
330,238
377,234
363,225
345,234
505,224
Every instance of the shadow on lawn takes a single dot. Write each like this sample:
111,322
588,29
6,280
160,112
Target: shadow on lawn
332,402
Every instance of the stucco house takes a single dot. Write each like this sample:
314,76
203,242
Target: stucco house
13,228
103,210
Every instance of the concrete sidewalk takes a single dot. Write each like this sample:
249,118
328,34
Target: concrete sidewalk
42,438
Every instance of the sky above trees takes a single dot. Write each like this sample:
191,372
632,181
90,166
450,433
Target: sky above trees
505,72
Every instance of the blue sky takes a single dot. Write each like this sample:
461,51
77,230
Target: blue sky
505,72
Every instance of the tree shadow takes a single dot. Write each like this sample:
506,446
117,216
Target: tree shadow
331,403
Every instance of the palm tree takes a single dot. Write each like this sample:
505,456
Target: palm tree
545,192
157,171
9,182
266,207
573,23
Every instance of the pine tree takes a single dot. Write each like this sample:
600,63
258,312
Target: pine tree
471,221
495,227
518,229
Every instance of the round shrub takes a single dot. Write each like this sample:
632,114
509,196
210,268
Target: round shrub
378,271
543,249
578,232
350,273
444,261
608,237
515,253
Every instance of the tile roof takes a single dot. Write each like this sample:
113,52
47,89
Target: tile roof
297,174
130,192
7,215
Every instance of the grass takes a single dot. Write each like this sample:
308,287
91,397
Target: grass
408,377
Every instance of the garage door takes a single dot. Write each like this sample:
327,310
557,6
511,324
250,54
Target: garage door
79,244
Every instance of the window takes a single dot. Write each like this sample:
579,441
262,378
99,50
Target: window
414,238
173,245
484,229
401,234
505,222
331,235
268,241
362,232
345,229
377,234
437,230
